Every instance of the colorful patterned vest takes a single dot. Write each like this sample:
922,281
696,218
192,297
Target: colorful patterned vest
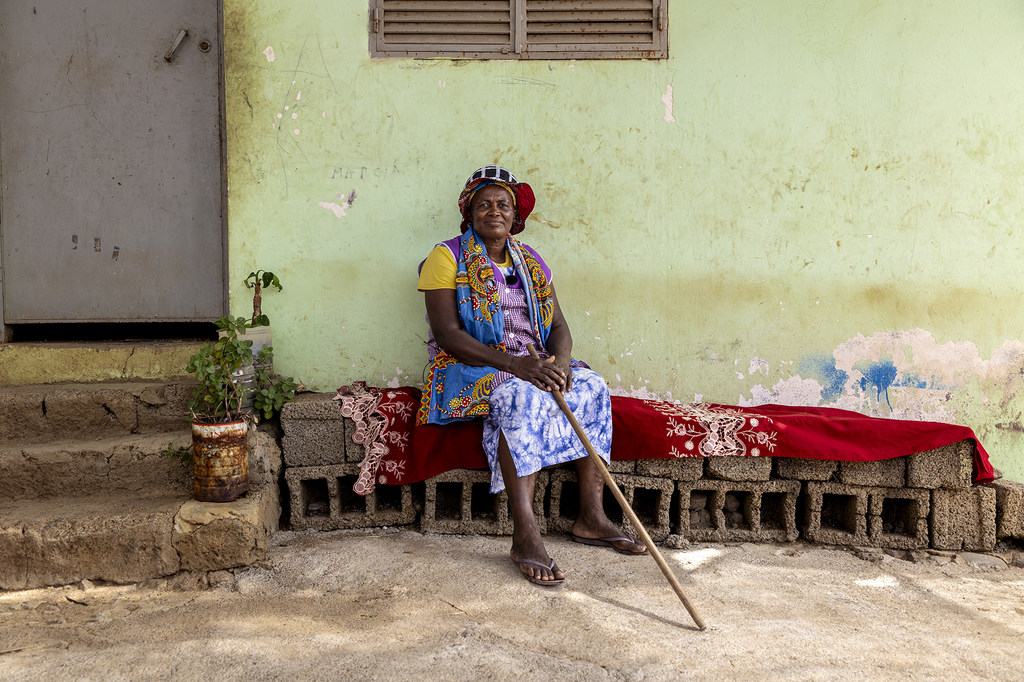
456,391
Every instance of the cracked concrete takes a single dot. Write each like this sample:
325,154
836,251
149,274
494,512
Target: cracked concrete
404,605
67,411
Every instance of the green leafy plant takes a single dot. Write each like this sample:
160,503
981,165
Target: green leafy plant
272,390
258,281
218,397
218,366
179,452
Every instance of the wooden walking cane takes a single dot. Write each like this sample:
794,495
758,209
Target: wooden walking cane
626,509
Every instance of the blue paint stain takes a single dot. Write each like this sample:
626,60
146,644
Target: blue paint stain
823,368
914,381
880,375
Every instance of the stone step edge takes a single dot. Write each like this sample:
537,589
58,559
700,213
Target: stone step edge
124,465
121,383
133,539
70,411
47,363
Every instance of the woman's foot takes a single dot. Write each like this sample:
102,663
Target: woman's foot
602,532
532,559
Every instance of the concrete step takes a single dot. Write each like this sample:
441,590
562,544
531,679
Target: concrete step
124,465
125,538
46,363
101,537
38,413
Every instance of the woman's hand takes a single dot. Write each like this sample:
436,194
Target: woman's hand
547,375
562,364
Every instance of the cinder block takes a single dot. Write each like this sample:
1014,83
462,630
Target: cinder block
964,519
312,406
322,499
951,466
799,469
1009,509
889,473
898,518
313,442
460,502
739,468
675,468
737,511
836,514
354,452
316,434
622,466
617,466
650,499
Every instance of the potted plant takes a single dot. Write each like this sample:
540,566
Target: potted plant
220,415
258,330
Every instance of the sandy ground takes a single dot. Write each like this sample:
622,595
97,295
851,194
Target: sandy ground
401,605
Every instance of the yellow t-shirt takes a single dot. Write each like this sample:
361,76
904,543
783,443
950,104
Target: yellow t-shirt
439,269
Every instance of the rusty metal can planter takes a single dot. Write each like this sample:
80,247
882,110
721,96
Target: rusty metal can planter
220,460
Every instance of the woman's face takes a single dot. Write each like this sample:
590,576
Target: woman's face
492,212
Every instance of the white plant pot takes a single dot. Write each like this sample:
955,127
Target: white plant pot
260,337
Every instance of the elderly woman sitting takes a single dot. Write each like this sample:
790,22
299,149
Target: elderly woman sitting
488,296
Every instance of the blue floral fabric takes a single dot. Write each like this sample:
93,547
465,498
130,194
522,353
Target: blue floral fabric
538,433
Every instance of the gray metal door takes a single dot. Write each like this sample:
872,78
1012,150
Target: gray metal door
110,161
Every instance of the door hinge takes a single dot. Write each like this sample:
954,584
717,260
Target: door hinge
378,16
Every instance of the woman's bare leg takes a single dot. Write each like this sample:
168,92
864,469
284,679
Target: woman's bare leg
591,521
526,540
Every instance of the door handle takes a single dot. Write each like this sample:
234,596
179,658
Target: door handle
174,45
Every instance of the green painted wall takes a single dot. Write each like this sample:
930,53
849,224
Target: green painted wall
809,202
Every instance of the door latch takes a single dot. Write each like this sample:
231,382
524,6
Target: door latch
174,45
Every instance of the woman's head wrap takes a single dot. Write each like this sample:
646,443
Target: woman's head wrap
522,194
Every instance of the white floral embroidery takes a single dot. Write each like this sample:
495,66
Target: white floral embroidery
717,430
400,439
402,409
395,467
376,427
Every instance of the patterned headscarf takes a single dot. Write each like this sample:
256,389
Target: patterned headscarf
522,194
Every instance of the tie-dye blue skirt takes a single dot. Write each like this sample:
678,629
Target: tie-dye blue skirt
537,433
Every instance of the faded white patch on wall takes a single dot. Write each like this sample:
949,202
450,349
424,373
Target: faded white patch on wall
758,365
666,99
641,393
269,52
339,210
792,391
398,379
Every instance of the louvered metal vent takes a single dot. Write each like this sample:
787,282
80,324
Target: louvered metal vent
519,29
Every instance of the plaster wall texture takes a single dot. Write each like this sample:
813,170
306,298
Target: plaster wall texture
812,203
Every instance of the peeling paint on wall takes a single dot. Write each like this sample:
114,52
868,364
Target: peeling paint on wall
641,393
401,378
758,365
880,376
824,367
788,179
269,52
903,374
666,99
339,210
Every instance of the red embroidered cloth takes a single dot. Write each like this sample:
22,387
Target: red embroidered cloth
401,452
